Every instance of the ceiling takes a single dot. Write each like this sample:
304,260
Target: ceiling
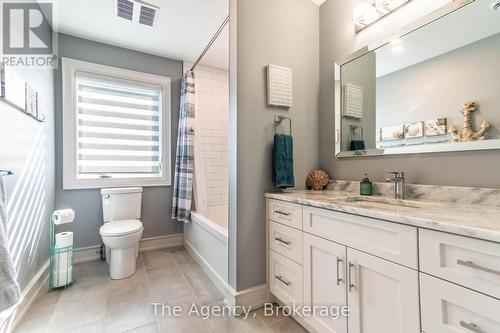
183,29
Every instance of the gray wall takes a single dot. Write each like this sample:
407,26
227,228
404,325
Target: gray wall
28,150
337,41
157,201
441,85
266,36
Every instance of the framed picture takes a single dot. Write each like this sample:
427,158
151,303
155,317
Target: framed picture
31,104
435,127
392,133
414,130
279,86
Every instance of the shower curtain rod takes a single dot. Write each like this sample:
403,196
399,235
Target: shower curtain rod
214,38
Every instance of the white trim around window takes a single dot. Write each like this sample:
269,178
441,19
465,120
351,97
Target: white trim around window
79,173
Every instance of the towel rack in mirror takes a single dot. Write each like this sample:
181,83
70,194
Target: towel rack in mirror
6,173
278,119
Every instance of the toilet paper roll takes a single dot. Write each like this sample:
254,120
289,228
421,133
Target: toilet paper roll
63,216
62,278
63,261
64,239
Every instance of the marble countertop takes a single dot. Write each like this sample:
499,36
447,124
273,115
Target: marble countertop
478,221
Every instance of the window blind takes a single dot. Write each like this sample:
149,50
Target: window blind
119,128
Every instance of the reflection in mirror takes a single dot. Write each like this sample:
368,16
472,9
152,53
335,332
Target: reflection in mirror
434,89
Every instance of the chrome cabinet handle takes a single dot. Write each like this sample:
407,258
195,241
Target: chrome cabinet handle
281,213
470,264
471,326
351,285
339,279
282,241
287,283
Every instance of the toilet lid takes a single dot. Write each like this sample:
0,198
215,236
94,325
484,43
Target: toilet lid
120,228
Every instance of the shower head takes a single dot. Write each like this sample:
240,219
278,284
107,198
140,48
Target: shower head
496,5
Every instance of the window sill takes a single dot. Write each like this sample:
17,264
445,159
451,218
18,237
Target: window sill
107,183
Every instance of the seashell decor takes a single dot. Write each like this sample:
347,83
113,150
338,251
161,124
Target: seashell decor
317,179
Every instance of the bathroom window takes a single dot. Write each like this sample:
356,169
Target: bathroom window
116,127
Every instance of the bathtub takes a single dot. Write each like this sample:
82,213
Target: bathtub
207,241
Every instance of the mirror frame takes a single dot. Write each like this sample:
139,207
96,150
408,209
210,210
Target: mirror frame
416,149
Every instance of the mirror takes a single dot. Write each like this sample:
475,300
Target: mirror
409,95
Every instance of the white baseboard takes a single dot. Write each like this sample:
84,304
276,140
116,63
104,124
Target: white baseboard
86,254
254,297
162,242
93,253
28,295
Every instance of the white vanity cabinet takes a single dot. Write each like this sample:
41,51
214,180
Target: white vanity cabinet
366,264
449,308
383,296
325,281
394,278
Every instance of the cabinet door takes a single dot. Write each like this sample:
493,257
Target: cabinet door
383,296
324,281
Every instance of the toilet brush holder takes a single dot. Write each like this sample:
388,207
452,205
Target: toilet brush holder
61,257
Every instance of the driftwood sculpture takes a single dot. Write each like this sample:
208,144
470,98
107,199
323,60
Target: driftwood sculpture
469,133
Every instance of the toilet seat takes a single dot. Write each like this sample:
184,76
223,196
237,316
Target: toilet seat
121,228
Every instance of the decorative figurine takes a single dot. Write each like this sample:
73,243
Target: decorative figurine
468,133
317,179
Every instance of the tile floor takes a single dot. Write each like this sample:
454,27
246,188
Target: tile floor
98,304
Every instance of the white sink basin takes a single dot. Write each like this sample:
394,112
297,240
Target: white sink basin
382,201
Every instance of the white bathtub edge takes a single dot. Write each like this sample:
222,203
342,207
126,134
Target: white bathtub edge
209,226
219,282
254,297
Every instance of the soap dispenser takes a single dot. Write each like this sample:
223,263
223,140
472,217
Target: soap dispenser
366,186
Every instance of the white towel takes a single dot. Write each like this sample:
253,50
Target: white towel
9,288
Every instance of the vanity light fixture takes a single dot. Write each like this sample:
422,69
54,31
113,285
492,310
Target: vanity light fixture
397,46
369,12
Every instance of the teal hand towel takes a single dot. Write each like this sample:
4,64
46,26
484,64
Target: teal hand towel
283,161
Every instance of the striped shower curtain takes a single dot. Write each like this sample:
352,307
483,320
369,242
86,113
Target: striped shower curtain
184,164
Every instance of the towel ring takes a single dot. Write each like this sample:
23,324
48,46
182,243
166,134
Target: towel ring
278,119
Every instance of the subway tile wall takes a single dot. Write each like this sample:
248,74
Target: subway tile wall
212,110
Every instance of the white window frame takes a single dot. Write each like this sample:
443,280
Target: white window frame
69,92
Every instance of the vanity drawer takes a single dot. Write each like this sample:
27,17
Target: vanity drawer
286,213
286,241
285,279
448,308
466,261
394,242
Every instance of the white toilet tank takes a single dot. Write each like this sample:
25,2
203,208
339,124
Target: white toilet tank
121,203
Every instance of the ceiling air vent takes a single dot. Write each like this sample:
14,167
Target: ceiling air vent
137,11
147,16
125,9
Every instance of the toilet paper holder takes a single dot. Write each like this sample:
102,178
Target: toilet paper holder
61,258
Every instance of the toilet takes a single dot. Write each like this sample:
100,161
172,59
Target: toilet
122,229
